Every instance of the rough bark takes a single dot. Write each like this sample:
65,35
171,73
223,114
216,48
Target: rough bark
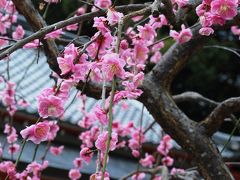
185,131
214,121
190,135
35,20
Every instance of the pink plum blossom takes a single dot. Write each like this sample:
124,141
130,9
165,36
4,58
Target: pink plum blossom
201,9
86,154
72,27
74,174
181,3
158,22
124,44
3,41
65,64
35,168
3,3
87,120
167,161
9,168
218,20
88,137
80,71
135,153
113,65
158,177
138,176
147,161
54,35
11,9
3,24
98,176
206,20
140,51
183,36
157,46
9,129
11,138
227,9
101,24
113,16
54,128
101,115
37,132
81,11
71,50
56,150
101,142
8,93
100,45
18,33
165,145
23,103
13,148
50,105
235,30
147,32
34,44
176,171
206,31
77,162
103,3
156,57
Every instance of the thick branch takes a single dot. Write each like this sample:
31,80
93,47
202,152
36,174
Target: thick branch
222,111
92,89
176,57
194,96
27,9
187,133
168,12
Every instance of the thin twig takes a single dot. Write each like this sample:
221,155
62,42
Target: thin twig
230,137
91,4
43,31
225,48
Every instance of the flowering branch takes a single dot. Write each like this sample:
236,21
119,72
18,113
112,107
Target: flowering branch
43,31
110,117
152,171
36,21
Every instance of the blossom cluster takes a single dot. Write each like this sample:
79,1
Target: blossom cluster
8,16
215,12
10,99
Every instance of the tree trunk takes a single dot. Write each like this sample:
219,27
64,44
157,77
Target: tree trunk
186,132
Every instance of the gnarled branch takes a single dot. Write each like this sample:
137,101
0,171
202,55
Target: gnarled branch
217,116
194,96
27,9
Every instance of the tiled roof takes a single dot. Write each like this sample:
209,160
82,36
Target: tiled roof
34,77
